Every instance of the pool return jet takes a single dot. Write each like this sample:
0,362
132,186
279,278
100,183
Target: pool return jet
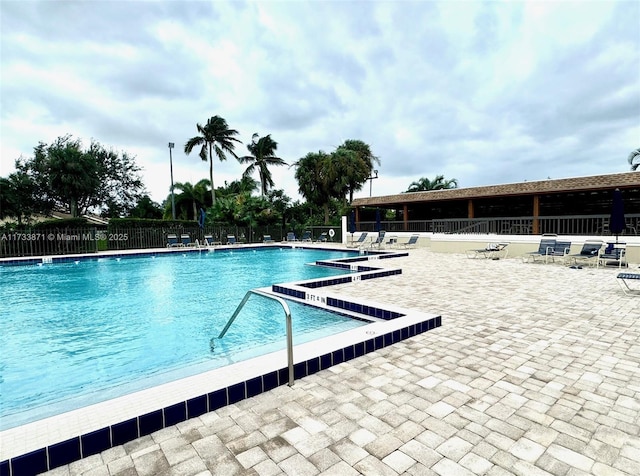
287,314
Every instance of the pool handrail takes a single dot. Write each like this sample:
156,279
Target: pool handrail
287,313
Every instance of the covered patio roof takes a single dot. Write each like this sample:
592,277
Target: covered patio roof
576,184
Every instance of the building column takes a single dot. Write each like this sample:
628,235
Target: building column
536,214
470,210
405,216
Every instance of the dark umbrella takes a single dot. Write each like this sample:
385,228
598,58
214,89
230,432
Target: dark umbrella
352,223
201,218
378,226
617,223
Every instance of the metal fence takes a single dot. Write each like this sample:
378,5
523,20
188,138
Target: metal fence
561,225
64,241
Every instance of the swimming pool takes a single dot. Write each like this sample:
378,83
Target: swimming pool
77,333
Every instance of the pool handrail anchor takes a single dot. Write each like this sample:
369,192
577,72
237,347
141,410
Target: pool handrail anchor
287,313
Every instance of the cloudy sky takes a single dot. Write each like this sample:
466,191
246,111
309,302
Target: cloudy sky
483,92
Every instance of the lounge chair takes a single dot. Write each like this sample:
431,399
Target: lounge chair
413,240
545,247
306,236
359,242
322,238
185,238
267,239
291,236
492,250
612,252
172,240
208,241
622,281
378,241
560,250
231,240
588,254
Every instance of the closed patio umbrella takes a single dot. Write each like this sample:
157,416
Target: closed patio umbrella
378,225
617,223
352,224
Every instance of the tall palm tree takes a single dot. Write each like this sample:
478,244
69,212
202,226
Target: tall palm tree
216,137
263,154
438,183
634,159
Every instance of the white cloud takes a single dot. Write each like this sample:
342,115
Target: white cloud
484,92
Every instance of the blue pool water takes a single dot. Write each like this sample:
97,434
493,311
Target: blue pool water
77,333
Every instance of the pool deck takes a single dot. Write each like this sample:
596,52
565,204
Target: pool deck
535,370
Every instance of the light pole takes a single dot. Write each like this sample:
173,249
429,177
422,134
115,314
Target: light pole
173,200
371,178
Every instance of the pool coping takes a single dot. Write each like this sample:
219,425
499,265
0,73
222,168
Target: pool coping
60,439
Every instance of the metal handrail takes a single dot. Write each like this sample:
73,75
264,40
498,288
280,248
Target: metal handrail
287,313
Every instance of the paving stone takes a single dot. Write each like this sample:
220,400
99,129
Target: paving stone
399,461
150,464
446,467
384,445
454,448
251,457
527,450
371,466
324,459
267,468
348,451
570,457
297,465
552,465
278,449
340,469
476,464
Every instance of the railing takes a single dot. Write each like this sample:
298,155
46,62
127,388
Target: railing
287,314
561,225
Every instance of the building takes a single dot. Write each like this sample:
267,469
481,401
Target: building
580,205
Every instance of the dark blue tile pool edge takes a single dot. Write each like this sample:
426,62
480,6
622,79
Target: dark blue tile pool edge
55,455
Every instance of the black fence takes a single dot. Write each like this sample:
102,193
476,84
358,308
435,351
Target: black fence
64,241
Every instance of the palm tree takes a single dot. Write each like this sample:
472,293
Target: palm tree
262,150
439,183
361,167
193,193
634,159
216,137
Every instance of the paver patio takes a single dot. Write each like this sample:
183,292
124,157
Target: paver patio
535,370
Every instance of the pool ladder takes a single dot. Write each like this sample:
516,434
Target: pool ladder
287,313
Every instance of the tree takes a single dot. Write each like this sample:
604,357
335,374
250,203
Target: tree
634,159
67,177
262,150
314,180
347,171
193,194
439,183
17,197
146,208
362,165
216,137
244,185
